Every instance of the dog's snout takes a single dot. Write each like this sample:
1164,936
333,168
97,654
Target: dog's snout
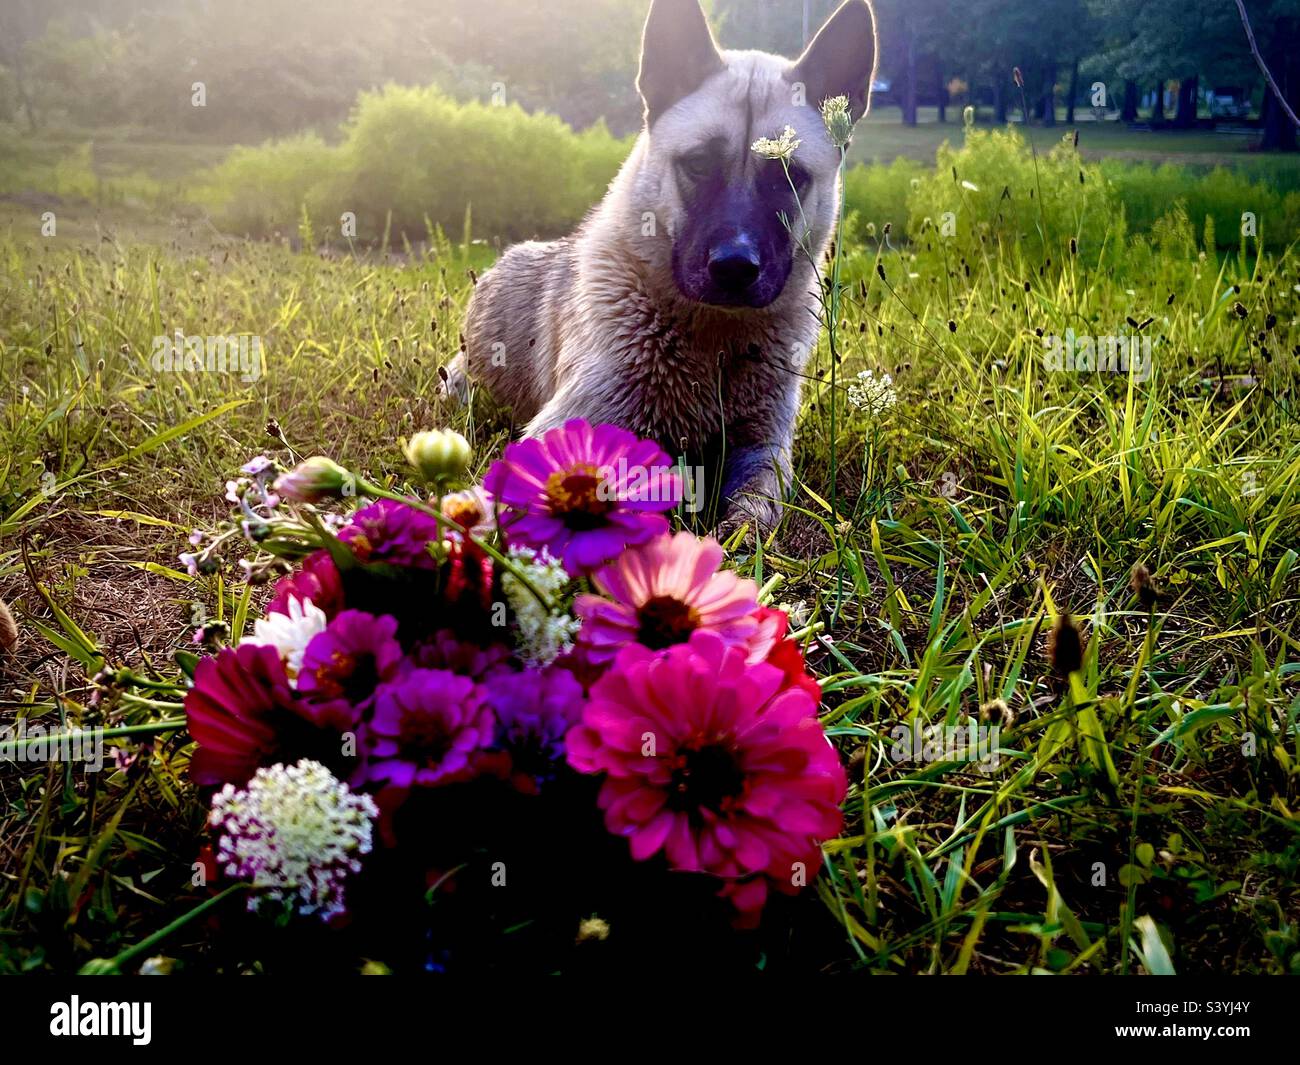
734,264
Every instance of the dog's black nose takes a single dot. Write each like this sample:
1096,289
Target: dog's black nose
734,264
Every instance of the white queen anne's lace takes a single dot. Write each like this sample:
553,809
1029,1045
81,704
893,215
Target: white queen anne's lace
873,394
295,832
543,634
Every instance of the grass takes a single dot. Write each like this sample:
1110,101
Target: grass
1143,815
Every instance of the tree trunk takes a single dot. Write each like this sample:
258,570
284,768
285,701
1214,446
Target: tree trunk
1279,133
1047,108
909,86
999,100
1185,118
1158,108
1130,112
942,93
1074,91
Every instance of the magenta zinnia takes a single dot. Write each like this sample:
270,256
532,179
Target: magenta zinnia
392,532
583,492
242,712
427,725
658,594
711,760
342,666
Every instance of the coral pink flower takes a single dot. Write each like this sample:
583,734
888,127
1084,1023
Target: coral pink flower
664,590
785,653
711,760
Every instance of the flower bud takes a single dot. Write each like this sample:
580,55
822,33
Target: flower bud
439,454
313,480
839,123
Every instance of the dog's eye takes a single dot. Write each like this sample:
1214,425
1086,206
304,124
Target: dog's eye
696,166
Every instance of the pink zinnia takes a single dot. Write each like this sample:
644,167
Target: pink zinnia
583,492
712,760
242,712
317,580
658,594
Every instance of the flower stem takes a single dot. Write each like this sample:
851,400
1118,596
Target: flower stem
114,965
501,559
10,748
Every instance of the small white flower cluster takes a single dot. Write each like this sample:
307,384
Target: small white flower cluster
781,147
295,832
873,394
543,634
291,633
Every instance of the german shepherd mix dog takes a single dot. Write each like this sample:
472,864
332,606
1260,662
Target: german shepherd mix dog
683,309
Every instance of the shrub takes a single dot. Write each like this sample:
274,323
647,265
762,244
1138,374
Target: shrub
261,190
994,191
877,195
1222,195
420,155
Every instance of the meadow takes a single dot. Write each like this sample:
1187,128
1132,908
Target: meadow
1142,818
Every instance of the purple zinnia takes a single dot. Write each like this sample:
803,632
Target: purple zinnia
342,666
583,492
427,726
392,532
534,709
443,650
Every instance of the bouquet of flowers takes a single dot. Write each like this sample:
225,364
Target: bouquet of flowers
433,668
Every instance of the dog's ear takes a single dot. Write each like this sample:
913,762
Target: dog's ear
677,54
841,59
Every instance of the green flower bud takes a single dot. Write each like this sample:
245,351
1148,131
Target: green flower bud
439,454
839,123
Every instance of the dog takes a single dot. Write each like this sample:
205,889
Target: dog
685,307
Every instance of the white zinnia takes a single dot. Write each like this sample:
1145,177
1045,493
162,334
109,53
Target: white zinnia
291,633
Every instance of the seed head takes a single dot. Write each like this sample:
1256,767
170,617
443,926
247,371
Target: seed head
1065,646
1143,586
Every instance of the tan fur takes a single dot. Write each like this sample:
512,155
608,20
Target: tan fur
594,325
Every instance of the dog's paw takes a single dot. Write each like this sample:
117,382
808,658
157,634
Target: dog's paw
753,519
454,381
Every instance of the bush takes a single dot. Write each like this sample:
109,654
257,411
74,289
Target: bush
1222,194
993,191
877,195
261,190
425,158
